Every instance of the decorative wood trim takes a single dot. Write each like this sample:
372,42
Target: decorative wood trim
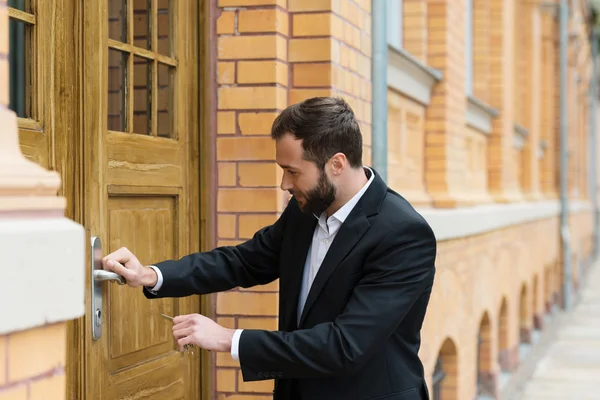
410,76
203,158
137,51
29,124
21,16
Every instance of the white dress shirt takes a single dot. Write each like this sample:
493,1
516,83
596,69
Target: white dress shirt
323,236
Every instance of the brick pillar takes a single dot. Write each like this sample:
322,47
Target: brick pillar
509,359
549,108
538,321
532,106
501,168
444,144
482,45
414,26
330,55
33,363
252,77
272,53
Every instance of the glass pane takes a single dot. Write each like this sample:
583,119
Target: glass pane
117,20
166,96
141,24
164,27
117,90
22,5
142,94
20,68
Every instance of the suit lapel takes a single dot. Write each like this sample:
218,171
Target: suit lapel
349,234
303,238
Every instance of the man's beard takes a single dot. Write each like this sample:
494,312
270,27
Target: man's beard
321,197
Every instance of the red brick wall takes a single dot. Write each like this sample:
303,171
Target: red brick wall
252,76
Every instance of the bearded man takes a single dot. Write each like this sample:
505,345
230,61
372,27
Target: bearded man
355,264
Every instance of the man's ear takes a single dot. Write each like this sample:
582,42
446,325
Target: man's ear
338,163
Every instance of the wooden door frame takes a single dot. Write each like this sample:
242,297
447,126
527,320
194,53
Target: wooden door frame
202,177
204,142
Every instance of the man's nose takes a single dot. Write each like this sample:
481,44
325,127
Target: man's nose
285,183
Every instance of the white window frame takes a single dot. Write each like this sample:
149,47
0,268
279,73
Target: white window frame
469,48
394,22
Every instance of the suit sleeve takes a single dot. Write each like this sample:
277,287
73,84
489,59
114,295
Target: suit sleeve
397,272
254,262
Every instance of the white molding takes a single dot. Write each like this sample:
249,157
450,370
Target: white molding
43,272
467,221
410,76
480,115
519,136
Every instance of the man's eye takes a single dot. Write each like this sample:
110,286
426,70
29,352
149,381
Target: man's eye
292,172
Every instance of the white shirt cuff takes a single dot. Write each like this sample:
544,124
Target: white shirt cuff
159,281
235,344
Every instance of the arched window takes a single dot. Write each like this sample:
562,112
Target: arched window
525,323
486,377
444,379
437,379
503,350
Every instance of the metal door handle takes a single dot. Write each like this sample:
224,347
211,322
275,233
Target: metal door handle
99,275
106,276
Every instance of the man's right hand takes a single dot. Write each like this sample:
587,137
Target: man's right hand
124,263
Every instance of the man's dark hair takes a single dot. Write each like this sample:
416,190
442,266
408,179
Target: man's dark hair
326,126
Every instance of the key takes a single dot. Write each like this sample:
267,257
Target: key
188,347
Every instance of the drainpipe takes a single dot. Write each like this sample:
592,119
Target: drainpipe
379,64
564,196
592,132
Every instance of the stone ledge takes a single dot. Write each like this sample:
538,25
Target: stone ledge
454,223
409,76
43,272
480,115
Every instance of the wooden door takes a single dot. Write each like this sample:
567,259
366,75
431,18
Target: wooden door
140,185
43,85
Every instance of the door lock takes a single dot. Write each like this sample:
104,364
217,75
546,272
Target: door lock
99,275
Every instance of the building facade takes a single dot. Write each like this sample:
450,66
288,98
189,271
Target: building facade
146,124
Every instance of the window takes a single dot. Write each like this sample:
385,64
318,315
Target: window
141,67
437,379
394,23
21,23
479,369
469,47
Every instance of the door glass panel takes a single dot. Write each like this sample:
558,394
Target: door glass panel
142,80
21,5
141,24
20,59
117,90
164,27
117,20
142,95
165,100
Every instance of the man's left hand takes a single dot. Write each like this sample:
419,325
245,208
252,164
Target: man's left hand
203,332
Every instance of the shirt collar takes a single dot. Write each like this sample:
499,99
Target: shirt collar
345,210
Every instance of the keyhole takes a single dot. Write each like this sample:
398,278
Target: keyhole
98,317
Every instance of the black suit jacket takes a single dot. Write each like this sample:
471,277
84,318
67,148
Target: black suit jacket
359,332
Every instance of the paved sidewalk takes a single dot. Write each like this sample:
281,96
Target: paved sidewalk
570,366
